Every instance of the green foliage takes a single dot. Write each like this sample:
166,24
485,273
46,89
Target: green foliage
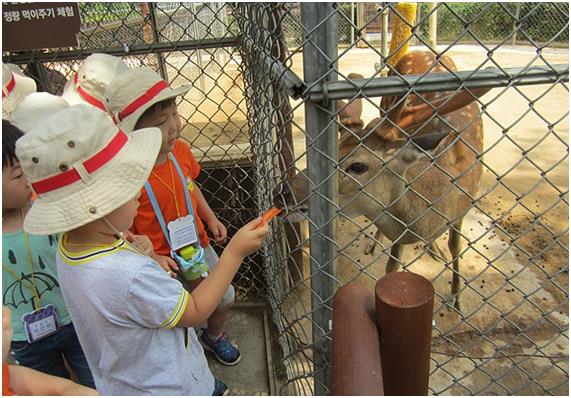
108,12
469,22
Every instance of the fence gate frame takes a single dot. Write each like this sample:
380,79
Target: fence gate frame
268,82
320,92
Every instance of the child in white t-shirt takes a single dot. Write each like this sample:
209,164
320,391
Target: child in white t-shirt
134,322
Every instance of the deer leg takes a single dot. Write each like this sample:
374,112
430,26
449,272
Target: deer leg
454,245
436,252
394,260
372,242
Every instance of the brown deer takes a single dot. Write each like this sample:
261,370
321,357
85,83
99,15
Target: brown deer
415,171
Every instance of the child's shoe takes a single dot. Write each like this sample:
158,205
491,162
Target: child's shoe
224,351
220,388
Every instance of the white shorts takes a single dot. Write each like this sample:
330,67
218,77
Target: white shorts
212,259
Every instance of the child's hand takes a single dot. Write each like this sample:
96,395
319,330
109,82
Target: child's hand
6,332
218,231
166,263
248,239
142,242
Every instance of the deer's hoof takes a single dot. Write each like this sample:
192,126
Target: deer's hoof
370,247
453,304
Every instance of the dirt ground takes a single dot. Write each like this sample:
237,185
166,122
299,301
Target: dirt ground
515,259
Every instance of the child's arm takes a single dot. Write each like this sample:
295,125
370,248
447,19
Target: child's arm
204,299
207,215
26,381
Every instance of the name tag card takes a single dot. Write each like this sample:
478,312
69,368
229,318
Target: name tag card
40,324
182,232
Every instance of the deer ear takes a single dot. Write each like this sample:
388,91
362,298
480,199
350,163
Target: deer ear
350,115
382,130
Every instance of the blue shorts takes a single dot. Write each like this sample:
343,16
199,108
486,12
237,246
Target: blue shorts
47,355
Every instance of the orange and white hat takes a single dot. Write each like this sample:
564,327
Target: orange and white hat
15,86
82,167
35,108
89,83
132,92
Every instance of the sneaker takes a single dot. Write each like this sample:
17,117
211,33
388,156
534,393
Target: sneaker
220,388
224,351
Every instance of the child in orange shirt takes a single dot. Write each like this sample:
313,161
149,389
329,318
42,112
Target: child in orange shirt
139,98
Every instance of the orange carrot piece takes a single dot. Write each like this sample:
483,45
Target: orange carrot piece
268,215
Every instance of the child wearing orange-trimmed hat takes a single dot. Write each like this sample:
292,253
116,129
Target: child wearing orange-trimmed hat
172,204
88,84
135,323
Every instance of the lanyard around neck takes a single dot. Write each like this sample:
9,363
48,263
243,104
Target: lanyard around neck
167,186
155,204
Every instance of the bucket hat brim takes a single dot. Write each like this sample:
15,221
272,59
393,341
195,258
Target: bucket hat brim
111,187
128,124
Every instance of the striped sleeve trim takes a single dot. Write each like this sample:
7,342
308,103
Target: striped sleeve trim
173,319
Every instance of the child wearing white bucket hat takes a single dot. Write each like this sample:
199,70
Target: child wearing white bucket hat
30,282
134,322
35,108
88,84
141,98
15,86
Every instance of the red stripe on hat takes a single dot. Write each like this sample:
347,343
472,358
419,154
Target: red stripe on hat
9,86
93,163
143,99
86,96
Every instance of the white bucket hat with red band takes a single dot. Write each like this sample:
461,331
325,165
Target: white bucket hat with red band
36,108
132,92
82,167
89,83
15,86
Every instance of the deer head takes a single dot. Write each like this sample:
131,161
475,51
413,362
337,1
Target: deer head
412,161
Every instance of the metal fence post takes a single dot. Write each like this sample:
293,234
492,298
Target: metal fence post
319,65
516,22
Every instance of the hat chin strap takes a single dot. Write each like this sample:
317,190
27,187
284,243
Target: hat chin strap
134,245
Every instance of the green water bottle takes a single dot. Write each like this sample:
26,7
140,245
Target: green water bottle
194,265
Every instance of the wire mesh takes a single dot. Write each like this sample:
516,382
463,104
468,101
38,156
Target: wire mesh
245,120
510,334
213,112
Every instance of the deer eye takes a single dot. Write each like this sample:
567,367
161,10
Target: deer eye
357,168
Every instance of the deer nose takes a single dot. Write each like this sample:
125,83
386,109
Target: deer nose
282,196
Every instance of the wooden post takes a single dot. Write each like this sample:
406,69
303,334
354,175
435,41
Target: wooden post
432,25
404,305
356,356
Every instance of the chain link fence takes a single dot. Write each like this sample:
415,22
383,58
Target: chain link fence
510,334
267,78
187,43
